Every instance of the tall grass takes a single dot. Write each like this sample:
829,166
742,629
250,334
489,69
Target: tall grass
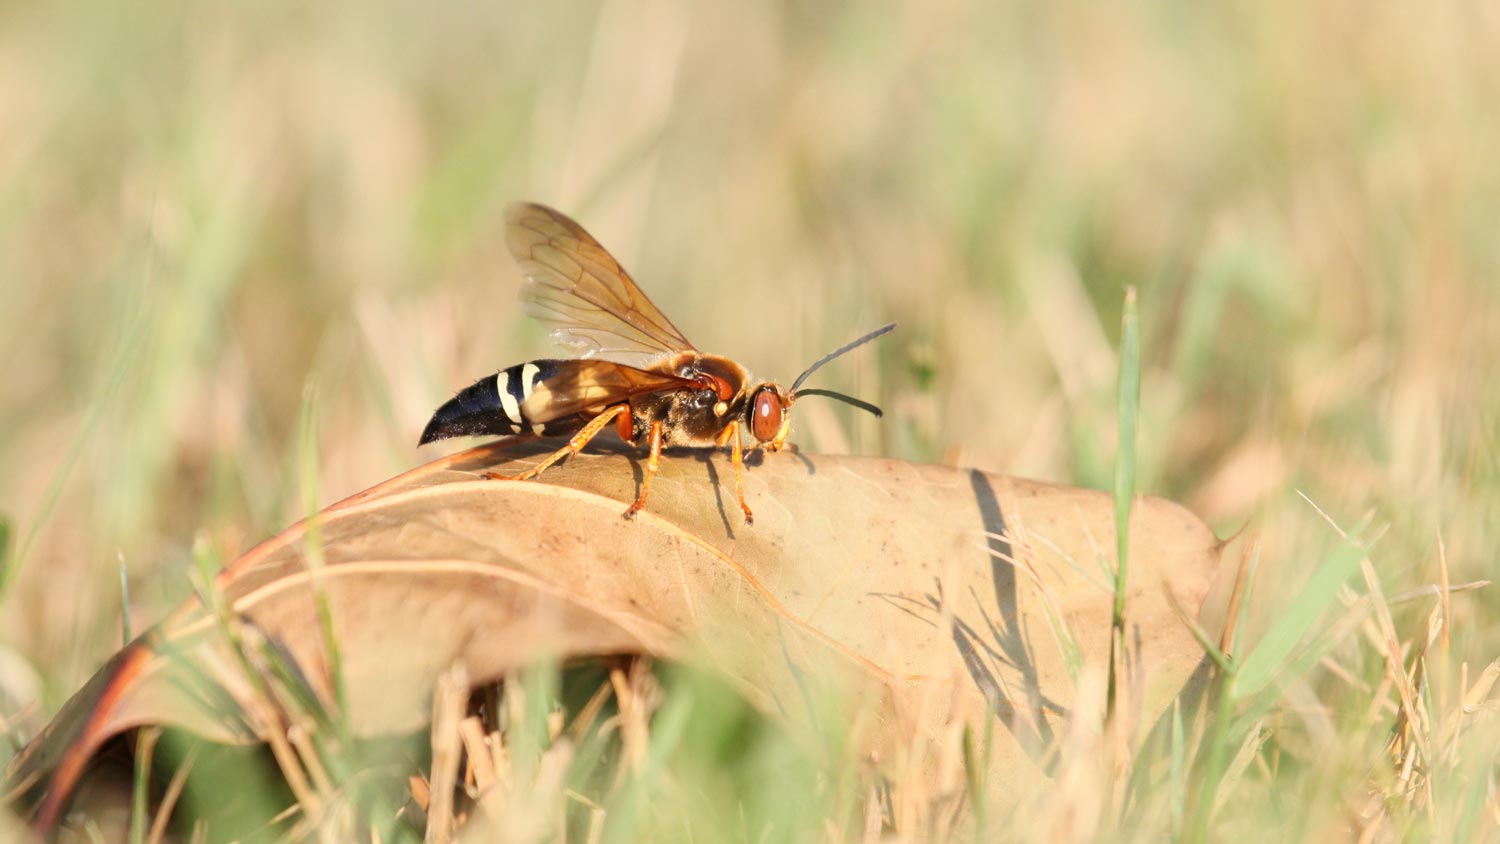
205,206
1125,462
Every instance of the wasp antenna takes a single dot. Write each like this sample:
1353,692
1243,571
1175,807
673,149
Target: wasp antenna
846,399
847,347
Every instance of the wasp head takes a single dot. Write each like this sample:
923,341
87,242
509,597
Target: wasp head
768,412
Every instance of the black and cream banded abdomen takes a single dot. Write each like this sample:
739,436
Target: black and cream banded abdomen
516,400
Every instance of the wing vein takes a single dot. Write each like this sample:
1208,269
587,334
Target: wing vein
582,294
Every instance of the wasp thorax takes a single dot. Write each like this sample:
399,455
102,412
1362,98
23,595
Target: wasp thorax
765,414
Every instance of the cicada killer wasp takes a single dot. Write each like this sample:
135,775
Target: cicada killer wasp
637,372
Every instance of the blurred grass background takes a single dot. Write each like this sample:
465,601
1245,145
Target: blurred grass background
206,207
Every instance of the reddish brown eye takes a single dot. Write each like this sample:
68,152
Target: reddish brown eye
765,419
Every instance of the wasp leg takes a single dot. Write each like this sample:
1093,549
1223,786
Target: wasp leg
780,442
653,462
723,438
575,445
737,458
625,425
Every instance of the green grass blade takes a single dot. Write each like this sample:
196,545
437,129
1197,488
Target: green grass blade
1177,776
5,559
126,632
976,768
1125,464
124,357
1262,664
307,465
145,748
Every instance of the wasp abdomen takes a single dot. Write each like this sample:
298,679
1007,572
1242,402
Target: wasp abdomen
514,386
491,406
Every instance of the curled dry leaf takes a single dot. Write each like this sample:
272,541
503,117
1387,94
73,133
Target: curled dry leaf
921,594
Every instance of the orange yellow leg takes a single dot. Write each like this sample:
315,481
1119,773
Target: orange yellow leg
723,438
653,462
575,445
625,425
780,442
737,458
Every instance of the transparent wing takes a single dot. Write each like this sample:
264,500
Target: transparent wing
566,388
585,296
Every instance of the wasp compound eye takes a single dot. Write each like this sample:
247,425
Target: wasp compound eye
765,416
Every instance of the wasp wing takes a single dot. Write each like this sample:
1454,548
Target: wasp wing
583,294
558,389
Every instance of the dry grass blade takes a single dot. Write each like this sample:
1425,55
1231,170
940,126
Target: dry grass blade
1227,644
1410,724
1435,591
1446,592
478,753
1473,697
637,699
170,797
1249,749
448,704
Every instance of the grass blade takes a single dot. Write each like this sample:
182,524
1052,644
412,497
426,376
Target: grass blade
1262,664
126,628
139,811
307,466
5,532
1129,411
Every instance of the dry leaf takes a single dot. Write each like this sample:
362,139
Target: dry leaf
923,594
